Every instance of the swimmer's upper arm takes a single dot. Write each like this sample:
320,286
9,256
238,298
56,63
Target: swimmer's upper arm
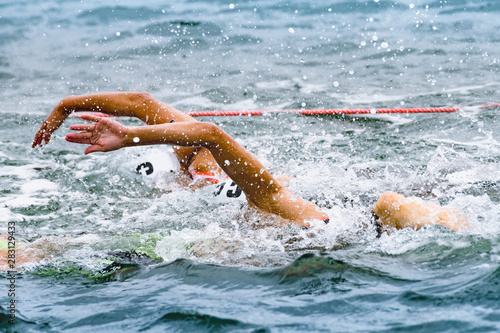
241,166
397,211
126,104
256,181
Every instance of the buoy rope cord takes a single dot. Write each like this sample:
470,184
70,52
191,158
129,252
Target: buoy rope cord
321,112
327,111
335,111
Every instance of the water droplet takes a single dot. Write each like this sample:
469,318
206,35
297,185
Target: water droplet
136,139
291,30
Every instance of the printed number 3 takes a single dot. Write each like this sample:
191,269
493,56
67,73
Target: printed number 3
147,165
232,192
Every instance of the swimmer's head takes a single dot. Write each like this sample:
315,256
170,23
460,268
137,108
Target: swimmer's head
387,202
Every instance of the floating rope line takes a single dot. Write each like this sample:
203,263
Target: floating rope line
490,105
321,112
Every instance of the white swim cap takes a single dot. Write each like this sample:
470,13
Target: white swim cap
153,162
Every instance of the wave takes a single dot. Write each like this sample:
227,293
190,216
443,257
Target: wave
107,14
194,321
22,324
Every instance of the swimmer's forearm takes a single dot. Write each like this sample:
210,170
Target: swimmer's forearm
179,134
240,165
125,104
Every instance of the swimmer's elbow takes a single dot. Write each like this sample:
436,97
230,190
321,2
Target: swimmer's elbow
213,135
68,104
139,97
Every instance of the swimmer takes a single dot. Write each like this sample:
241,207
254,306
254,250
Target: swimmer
16,253
204,149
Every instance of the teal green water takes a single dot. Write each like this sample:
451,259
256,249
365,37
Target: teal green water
128,254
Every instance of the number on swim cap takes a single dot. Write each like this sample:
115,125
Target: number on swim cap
146,165
232,190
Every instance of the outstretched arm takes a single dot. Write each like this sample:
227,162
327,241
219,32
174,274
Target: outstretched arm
128,104
241,166
397,211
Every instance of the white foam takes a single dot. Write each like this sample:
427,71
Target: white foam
24,201
477,174
22,172
203,102
7,216
246,104
179,243
38,185
283,84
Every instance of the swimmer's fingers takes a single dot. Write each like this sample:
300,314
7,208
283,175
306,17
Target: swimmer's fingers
105,135
86,139
81,137
42,137
99,114
53,122
83,127
91,117
93,148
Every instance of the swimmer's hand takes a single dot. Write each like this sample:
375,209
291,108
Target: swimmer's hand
103,135
50,125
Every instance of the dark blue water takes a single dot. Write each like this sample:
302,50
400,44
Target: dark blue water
126,254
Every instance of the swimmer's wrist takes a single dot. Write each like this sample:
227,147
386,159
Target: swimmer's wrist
139,136
131,138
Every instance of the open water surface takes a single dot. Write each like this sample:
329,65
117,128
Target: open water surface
223,268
